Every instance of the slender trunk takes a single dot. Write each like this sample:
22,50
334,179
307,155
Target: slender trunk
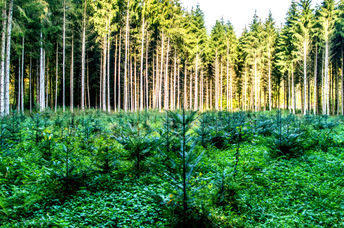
57,74
173,103
108,71
196,85
216,83
72,76
135,87
119,71
147,86
293,96
142,51
315,106
8,59
227,80
47,81
305,78
3,50
103,95
342,81
161,74
42,77
115,77
83,50
126,65
185,85
64,58
18,86
327,91
30,84
270,92
178,87
255,86
166,105
190,90
88,85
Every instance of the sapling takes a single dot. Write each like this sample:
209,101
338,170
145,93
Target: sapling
187,159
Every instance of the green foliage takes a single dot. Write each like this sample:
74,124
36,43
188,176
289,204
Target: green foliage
72,170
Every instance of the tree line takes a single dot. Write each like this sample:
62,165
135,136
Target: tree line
153,54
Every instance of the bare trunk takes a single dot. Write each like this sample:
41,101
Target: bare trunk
57,74
342,81
64,58
305,78
142,51
315,106
196,85
42,77
166,105
72,76
119,71
327,90
147,85
30,84
126,64
161,74
108,71
8,59
115,77
104,74
3,50
83,50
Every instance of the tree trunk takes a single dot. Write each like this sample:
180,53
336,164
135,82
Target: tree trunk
8,59
166,105
64,58
142,51
147,85
269,72
162,70
57,74
315,106
3,50
119,71
42,77
342,81
72,76
18,87
115,77
30,84
126,64
196,84
327,94
88,85
184,87
305,78
108,70
83,50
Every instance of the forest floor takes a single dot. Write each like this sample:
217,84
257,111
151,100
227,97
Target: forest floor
126,170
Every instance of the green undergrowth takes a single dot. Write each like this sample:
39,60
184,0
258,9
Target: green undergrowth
152,169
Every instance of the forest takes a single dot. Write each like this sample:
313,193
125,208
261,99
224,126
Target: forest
131,113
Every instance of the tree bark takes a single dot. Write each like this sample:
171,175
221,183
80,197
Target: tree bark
3,50
72,76
142,53
42,76
119,71
315,106
57,74
83,50
126,64
64,58
8,59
